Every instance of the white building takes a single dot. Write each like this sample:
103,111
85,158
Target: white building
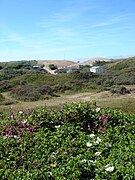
97,69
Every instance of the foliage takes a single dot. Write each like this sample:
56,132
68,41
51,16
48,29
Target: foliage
60,83
84,67
63,70
1,98
52,66
18,64
32,92
8,102
116,73
120,90
10,70
100,63
81,141
86,75
120,72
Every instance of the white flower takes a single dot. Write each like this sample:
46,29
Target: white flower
84,160
16,137
49,173
108,145
97,153
20,112
91,161
92,135
97,141
109,169
97,109
6,136
24,121
57,126
88,144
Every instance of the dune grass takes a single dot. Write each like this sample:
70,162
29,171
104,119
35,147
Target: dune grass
104,99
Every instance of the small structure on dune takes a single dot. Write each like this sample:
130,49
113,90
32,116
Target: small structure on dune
36,67
97,69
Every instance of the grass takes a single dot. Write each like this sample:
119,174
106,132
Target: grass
125,104
103,99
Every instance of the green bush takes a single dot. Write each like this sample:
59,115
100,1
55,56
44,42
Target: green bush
120,90
52,67
61,70
30,92
81,141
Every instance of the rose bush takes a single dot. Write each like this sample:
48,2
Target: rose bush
78,142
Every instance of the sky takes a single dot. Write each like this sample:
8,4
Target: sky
66,29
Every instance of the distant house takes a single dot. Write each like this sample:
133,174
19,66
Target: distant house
36,67
97,69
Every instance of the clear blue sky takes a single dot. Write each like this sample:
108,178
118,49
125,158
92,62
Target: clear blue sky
66,29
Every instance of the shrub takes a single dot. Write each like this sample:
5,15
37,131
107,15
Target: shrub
86,75
52,67
120,90
8,102
81,141
31,92
61,70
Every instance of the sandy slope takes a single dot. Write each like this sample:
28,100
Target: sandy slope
58,63
66,63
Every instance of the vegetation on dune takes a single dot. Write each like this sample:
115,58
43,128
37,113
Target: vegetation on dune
53,66
60,83
11,69
120,90
18,64
121,72
32,92
16,76
81,141
1,98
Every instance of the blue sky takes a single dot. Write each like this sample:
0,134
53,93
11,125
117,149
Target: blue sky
66,29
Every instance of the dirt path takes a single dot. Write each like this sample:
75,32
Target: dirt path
50,71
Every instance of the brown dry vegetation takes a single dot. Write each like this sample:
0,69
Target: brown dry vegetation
103,99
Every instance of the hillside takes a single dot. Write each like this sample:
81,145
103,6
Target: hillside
58,63
24,84
121,64
66,63
93,60
120,72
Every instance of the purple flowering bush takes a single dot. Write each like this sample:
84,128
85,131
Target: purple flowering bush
81,141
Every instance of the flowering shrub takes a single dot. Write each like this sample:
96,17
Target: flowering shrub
79,142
